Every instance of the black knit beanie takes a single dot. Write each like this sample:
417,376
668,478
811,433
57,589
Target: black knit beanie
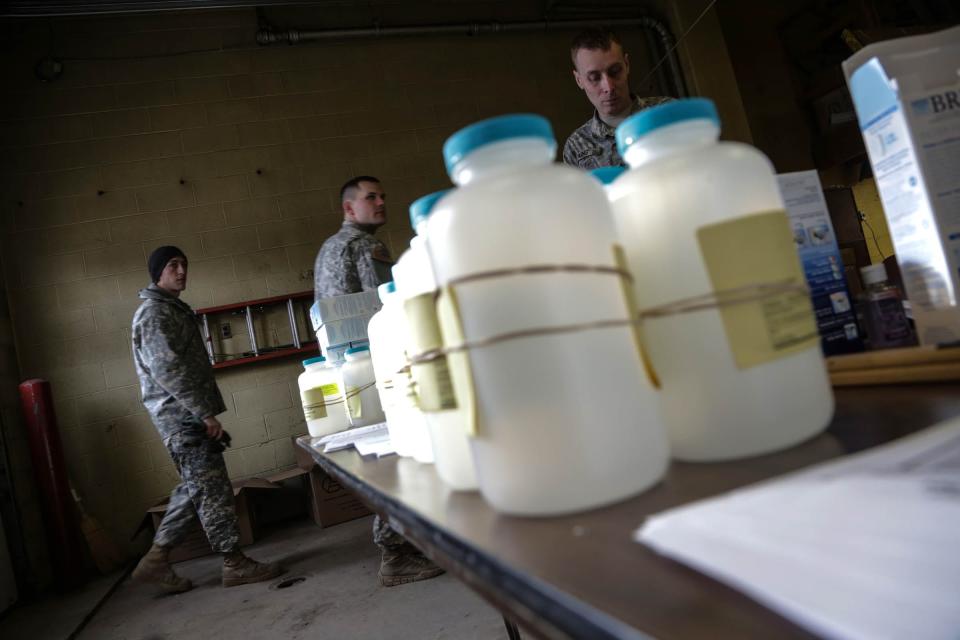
159,259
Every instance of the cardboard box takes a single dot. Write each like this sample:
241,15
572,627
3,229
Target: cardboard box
196,543
834,108
823,267
330,502
325,310
302,456
905,91
342,332
336,353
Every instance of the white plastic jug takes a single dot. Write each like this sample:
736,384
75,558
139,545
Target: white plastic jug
359,388
703,220
322,397
404,273
447,422
386,331
564,421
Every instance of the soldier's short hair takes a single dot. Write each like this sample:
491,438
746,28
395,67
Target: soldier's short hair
597,38
349,188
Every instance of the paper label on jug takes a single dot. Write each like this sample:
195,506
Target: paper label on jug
354,406
458,363
314,404
433,385
754,250
620,260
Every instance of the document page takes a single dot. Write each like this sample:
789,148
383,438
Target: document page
864,547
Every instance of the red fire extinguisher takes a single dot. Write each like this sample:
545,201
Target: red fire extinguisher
64,539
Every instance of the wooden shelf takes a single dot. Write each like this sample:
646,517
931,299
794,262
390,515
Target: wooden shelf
311,347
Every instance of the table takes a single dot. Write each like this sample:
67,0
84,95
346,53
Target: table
582,576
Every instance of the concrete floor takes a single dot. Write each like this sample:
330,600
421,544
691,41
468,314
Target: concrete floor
340,598
55,617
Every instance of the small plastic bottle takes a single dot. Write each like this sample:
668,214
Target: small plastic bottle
881,311
445,419
386,352
358,381
407,271
321,397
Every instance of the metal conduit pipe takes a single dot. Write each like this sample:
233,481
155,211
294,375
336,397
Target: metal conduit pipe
669,46
267,36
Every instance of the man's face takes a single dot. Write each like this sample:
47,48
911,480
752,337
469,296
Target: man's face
604,77
368,205
173,278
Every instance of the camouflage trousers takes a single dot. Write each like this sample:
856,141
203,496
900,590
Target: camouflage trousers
389,540
204,491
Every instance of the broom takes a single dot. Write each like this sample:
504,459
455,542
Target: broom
105,553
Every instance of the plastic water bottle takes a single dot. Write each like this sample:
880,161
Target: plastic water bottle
385,330
446,421
322,397
561,420
359,388
408,273
702,221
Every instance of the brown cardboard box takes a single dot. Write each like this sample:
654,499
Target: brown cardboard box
330,502
301,455
196,543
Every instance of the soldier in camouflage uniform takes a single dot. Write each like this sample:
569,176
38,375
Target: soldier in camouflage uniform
350,261
182,398
353,259
602,70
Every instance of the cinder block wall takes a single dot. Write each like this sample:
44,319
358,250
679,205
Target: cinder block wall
235,156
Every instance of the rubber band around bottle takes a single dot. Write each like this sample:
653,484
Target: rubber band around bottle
346,396
538,269
714,300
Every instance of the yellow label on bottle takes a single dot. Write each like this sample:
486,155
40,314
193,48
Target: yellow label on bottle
458,362
354,406
331,389
433,385
314,403
754,250
620,260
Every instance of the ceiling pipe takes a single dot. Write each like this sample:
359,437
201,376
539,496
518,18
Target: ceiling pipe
268,36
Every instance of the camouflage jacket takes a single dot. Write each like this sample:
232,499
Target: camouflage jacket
593,144
350,261
176,379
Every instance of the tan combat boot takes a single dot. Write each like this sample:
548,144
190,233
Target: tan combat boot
239,569
154,568
402,568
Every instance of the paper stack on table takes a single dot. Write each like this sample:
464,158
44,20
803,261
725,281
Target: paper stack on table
373,439
864,547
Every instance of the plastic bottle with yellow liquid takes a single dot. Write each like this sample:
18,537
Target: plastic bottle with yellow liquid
729,327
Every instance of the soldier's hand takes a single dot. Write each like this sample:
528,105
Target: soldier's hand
214,428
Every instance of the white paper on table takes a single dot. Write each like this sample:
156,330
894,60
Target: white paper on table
347,439
380,448
863,547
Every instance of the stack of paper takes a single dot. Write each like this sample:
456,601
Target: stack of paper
864,547
370,440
